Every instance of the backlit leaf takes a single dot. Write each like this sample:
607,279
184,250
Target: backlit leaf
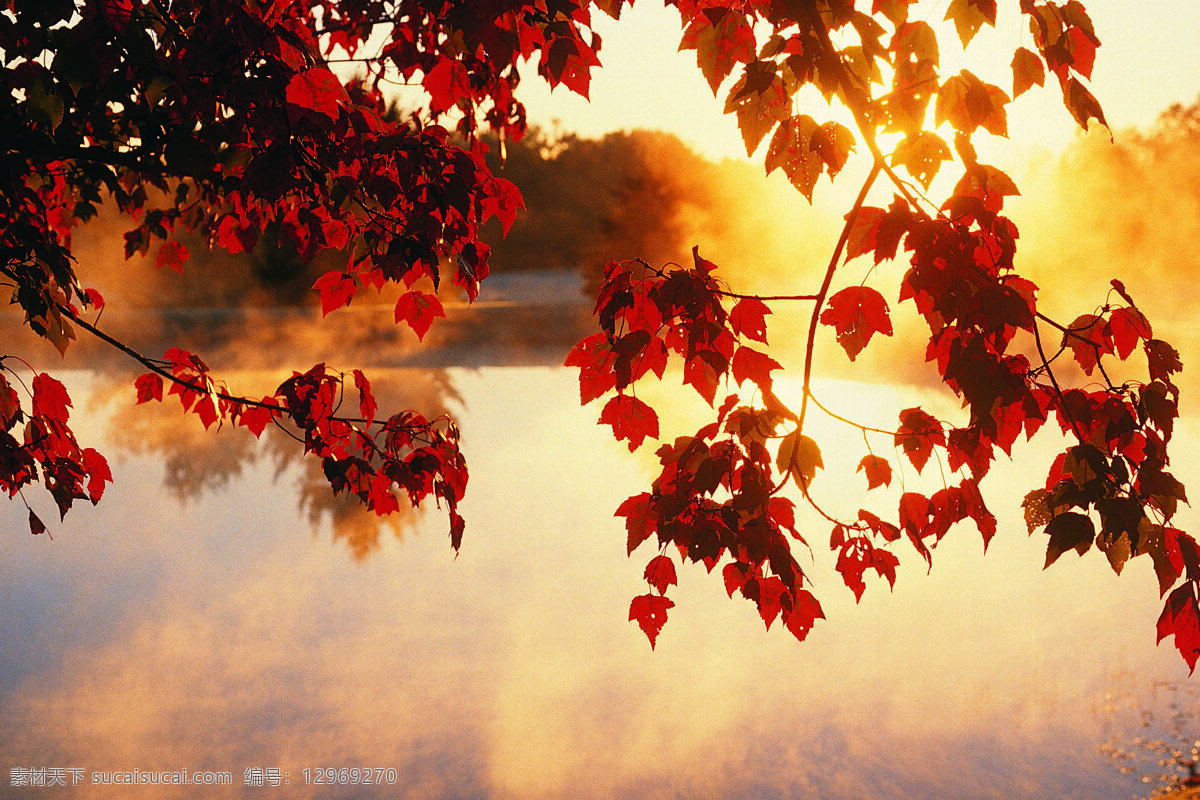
878,471
751,365
366,400
917,434
916,517
1181,618
803,150
1162,543
760,101
1088,341
803,614
1127,327
337,289
748,318
800,457
446,83
915,42
1163,359
595,358
171,255
315,94
970,15
631,419
650,613
418,309
660,573
149,387
922,154
895,10
638,521
1082,104
96,466
255,418
968,103
857,313
721,38
50,398
1027,70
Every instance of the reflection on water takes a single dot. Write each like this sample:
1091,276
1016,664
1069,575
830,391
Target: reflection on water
1164,719
216,624
197,462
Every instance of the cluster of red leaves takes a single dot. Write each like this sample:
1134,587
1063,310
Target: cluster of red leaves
962,281
716,499
717,496
47,447
361,454
258,137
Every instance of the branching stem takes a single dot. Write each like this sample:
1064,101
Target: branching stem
832,268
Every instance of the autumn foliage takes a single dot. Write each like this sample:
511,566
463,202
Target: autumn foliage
226,120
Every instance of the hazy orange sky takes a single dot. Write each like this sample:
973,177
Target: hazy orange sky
1148,60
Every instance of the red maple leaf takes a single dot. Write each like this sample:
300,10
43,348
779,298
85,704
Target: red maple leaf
700,375
630,419
236,236
805,611
171,255
1027,70
916,512
118,13
1127,326
638,519
50,398
419,309
255,418
1181,618
650,613
754,366
887,530
877,469
446,83
660,573
857,556
337,289
734,575
595,358
366,400
748,318
721,38
857,313
206,409
315,95
98,472
1088,339
380,498
149,387
917,435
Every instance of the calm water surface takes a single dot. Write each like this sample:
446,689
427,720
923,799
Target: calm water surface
215,612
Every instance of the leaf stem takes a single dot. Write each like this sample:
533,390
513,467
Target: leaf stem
1062,406
832,268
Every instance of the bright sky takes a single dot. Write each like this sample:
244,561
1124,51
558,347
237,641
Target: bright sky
1148,60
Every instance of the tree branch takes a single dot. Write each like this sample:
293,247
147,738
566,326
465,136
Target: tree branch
820,298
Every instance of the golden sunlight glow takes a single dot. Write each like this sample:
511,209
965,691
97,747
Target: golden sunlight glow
1146,62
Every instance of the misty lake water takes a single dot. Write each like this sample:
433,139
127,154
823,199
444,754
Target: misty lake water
216,612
